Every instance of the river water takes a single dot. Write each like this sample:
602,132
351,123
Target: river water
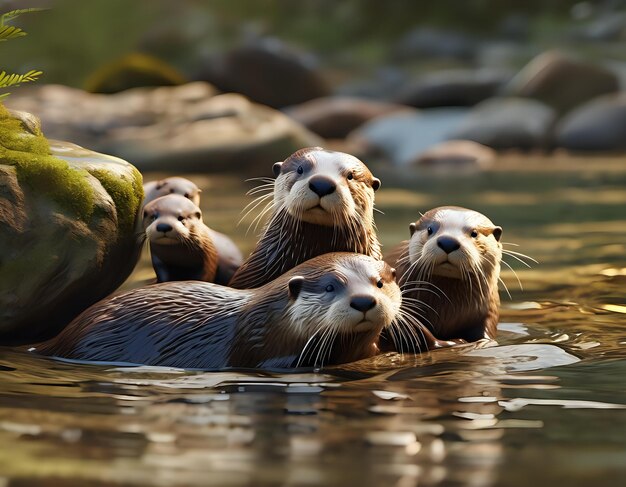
544,406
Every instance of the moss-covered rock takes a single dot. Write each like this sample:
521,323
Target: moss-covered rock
67,228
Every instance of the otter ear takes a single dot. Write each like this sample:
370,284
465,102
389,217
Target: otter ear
276,168
497,233
412,228
295,285
375,184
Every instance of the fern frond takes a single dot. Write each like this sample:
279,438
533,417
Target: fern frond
13,14
10,32
4,95
13,79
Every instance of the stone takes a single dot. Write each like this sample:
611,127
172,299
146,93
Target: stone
68,230
401,137
186,127
598,125
267,71
458,87
508,123
335,117
432,42
561,81
457,154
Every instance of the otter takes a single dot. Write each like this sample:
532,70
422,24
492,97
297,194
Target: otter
182,247
174,185
449,271
322,201
328,310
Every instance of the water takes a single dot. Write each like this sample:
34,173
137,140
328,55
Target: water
546,406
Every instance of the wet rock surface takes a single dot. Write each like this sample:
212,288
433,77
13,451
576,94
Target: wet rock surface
189,127
457,154
561,81
599,125
508,123
335,117
67,230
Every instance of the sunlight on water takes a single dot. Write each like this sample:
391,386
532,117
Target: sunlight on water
549,395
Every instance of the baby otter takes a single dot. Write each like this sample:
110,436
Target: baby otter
449,271
182,247
323,201
174,185
328,310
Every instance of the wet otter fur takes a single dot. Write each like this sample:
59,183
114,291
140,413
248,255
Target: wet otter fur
321,201
328,310
173,185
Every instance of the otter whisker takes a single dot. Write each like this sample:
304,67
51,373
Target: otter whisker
514,273
518,256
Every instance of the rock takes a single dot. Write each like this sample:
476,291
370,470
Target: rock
184,127
598,125
267,71
562,82
508,123
457,154
335,117
68,230
432,42
453,88
402,137
380,85
133,71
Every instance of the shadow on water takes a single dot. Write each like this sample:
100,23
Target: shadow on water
544,405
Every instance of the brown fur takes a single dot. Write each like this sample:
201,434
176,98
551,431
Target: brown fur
202,325
292,236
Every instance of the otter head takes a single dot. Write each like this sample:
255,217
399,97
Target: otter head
173,185
168,220
324,187
339,304
455,242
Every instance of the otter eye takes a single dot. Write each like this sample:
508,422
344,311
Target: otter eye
186,195
379,284
154,216
198,215
474,234
430,230
330,288
350,176
181,218
300,170
172,191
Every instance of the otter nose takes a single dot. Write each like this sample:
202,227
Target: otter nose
362,303
448,244
164,227
322,185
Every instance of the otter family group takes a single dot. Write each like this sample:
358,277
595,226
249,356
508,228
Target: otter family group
316,289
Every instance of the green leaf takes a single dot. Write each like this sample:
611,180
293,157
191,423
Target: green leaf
10,32
4,95
12,79
13,14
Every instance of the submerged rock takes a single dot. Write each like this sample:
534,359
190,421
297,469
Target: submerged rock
67,229
562,82
508,123
599,125
185,127
336,116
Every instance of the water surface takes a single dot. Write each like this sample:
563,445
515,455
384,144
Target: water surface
545,406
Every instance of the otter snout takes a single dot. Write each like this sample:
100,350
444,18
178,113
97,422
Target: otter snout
164,227
448,244
322,185
362,303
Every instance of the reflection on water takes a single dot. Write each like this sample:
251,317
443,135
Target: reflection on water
544,406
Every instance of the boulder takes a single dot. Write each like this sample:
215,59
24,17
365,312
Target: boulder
432,42
455,87
68,229
267,71
185,127
402,137
562,82
335,117
508,123
457,154
598,125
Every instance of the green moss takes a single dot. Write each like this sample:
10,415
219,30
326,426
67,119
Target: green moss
38,170
127,195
